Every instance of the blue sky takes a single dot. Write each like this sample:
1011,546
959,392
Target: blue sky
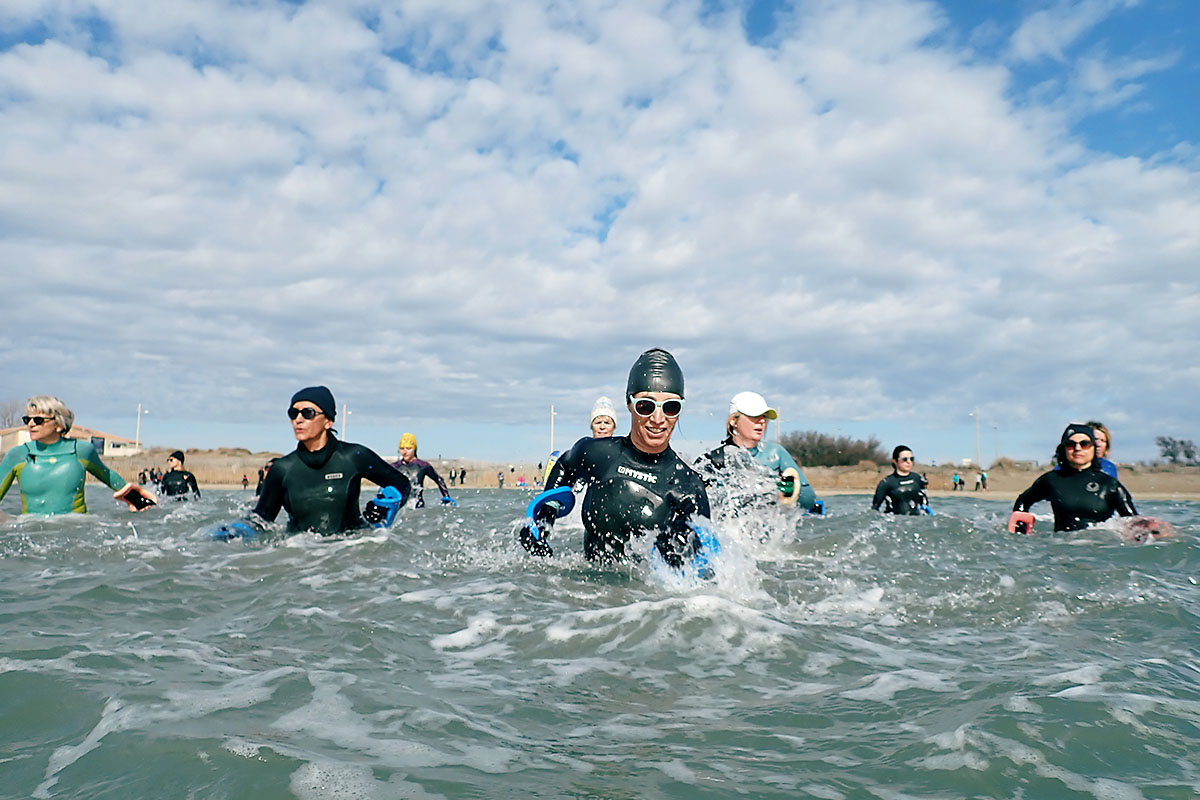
881,215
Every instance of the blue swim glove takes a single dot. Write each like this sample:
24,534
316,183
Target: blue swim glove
449,501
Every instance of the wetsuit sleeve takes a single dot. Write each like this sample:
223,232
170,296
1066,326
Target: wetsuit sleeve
1036,493
191,481
381,473
568,466
786,461
271,500
90,459
702,505
1123,502
441,484
880,494
10,466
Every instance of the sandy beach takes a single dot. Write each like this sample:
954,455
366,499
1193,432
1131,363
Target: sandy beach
223,468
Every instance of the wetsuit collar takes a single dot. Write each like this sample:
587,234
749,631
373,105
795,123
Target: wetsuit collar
317,458
649,458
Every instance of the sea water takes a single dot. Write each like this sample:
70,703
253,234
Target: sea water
850,656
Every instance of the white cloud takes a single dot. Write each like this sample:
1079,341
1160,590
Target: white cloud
465,209
1048,32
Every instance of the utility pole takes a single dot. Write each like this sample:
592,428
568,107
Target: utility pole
551,427
978,454
137,436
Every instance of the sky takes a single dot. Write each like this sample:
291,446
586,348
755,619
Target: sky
885,216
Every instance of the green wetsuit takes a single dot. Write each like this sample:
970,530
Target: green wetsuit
771,455
52,475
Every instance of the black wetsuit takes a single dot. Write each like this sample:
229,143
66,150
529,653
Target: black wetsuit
417,471
900,495
177,483
628,493
1079,498
320,489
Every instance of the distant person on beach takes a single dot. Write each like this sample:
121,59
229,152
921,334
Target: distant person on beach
1103,445
1078,491
318,483
177,482
983,478
954,481
500,478
744,456
453,475
52,468
462,476
902,492
604,419
245,482
634,484
417,470
978,481
262,476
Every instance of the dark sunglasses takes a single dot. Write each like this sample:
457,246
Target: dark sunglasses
37,420
644,407
1079,444
905,458
307,413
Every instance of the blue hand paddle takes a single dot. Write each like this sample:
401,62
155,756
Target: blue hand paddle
228,531
389,498
563,496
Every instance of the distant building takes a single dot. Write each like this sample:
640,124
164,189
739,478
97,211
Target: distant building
106,444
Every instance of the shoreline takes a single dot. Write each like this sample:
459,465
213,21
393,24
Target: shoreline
222,468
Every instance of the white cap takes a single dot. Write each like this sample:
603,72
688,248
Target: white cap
751,404
603,408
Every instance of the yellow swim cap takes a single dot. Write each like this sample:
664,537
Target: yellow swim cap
408,440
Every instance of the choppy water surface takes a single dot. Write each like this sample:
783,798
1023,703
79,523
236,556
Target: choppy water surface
854,656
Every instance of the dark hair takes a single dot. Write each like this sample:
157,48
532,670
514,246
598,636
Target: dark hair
900,448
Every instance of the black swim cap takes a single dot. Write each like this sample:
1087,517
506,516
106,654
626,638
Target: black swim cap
1078,427
319,396
177,455
654,371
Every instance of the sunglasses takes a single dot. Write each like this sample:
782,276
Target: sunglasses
905,458
37,420
1079,444
645,407
307,413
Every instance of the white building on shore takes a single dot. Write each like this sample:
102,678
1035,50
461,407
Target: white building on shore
106,444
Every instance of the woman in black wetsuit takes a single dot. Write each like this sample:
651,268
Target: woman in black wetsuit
635,484
318,483
177,483
902,492
1078,491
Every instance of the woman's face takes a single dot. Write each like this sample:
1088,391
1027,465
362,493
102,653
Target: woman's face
748,431
309,431
1079,450
173,464
1101,443
47,431
903,462
407,454
603,427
